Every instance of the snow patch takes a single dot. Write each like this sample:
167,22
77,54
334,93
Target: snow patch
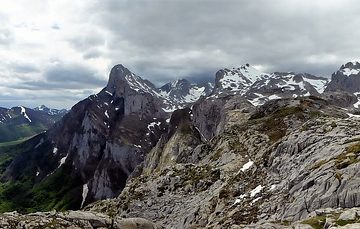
62,161
256,190
349,72
55,150
109,93
152,124
256,199
238,200
318,84
23,112
272,187
271,97
84,194
353,116
247,166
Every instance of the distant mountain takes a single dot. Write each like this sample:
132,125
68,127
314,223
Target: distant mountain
346,79
237,80
21,122
182,92
259,87
51,111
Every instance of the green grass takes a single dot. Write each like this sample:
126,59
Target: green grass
316,222
9,133
12,143
9,150
26,194
57,191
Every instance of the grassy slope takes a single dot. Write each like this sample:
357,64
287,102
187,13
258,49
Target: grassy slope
16,132
56,191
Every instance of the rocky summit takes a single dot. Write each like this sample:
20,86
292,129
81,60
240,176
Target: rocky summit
256,150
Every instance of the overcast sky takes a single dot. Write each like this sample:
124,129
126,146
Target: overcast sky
56,52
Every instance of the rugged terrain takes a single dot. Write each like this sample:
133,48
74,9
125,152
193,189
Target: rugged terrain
277,150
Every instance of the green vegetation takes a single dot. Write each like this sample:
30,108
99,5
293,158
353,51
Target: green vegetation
57,191
343,160
8,150
345,222
15,132
27,193
319,164
316,222
349,157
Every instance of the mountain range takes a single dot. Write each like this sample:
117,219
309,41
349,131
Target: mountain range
22,122
250,148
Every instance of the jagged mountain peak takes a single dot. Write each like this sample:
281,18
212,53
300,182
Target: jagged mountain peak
50,111
346,78
351,64
121,79
179,83
41,107
350,68
182,91
237,79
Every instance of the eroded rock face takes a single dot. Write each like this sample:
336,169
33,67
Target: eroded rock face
177,145
212,114
280,162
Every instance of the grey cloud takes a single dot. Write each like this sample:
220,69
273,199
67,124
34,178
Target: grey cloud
23,67
92,53
85,41
65,76
278,34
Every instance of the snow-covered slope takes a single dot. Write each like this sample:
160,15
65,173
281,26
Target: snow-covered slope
237,80
182,92
351,68
50,111
259,87
285,85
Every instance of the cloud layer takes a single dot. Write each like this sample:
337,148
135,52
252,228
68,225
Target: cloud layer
57,52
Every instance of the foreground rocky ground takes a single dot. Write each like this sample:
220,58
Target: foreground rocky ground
71,219
321,218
